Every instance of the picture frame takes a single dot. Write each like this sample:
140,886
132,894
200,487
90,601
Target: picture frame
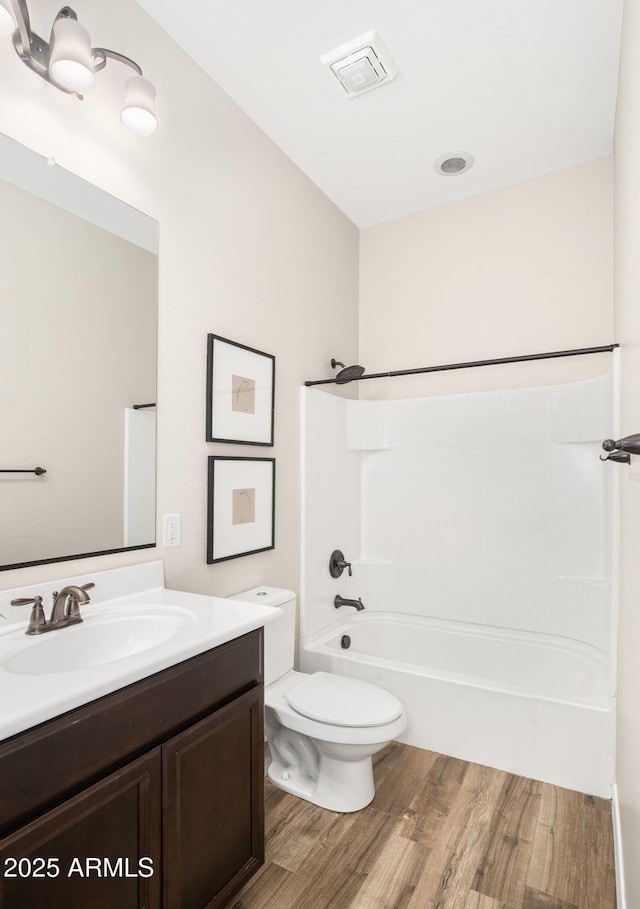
241,496
240,393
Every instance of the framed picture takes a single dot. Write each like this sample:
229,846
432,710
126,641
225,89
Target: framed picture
240,393
241,507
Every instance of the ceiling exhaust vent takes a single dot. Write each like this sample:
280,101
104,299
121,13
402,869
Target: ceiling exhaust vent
360,65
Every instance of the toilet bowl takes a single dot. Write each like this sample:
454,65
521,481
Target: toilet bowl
320,757
322,729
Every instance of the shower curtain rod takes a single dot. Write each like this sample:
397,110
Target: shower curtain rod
522,359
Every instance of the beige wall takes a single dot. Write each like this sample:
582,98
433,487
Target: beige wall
521,270
627,318
249,249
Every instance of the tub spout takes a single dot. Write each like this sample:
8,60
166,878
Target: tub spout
343,601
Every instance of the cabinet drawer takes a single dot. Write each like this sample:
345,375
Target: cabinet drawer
86,743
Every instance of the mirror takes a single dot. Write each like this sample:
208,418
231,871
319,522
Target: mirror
78,338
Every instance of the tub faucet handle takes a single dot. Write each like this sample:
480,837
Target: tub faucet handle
338,563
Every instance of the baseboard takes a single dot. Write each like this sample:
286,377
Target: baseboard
621,898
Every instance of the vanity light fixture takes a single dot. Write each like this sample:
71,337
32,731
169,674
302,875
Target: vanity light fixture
69,62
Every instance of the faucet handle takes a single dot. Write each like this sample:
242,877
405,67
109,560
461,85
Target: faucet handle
24,601
73,608
338,563
37,619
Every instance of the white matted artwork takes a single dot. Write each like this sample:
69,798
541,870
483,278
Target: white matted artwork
240,393
240,507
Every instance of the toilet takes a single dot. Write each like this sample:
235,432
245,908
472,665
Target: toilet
322,729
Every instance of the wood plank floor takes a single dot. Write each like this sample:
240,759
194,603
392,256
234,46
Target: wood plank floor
440,834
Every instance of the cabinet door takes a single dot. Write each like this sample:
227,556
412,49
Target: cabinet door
213,812
114,823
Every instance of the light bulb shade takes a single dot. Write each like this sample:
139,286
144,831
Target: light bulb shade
71,62
7,21
139,112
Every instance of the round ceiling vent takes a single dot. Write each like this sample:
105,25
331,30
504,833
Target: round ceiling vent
452,164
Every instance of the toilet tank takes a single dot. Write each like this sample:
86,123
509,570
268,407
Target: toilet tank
280,633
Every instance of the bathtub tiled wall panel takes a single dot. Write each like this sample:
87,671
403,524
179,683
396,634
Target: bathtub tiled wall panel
367,425
331,508
492,508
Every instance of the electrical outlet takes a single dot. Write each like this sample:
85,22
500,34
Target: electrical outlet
171,529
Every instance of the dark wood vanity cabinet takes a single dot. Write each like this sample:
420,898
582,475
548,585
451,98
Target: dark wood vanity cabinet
148,798
209,799
44,864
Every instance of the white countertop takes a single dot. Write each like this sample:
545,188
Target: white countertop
29,699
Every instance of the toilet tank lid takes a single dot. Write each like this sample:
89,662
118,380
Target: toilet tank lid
267,596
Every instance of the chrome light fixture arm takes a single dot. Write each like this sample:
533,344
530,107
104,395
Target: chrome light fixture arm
101,54
22,36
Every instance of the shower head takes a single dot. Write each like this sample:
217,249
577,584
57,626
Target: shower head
347,373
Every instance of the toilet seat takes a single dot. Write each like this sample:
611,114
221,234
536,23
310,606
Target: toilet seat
341,701
276,699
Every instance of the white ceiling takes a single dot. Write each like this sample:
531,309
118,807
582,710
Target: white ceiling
526,86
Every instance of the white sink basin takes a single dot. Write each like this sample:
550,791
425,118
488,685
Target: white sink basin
112,635
133,627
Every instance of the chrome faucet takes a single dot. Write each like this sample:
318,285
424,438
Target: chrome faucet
343,601
65,610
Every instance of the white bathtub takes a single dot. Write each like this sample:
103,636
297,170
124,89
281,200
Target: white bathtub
531,704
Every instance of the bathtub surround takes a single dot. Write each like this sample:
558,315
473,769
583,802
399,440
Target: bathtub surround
490,508
331,509
484,524
494,508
